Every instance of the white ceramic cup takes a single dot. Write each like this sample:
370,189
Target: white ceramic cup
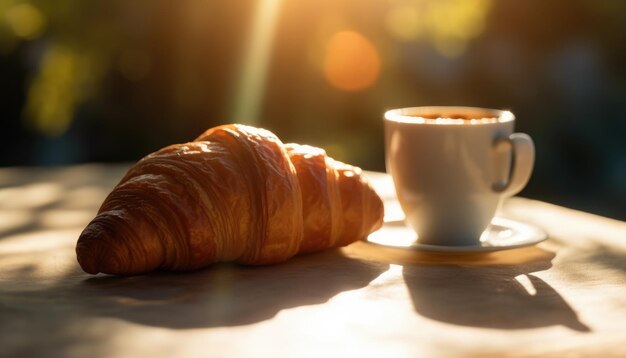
453,166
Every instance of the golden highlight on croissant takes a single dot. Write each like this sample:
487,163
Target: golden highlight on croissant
236,193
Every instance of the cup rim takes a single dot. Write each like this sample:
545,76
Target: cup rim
411,115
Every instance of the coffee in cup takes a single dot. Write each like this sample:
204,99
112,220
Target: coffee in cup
453,166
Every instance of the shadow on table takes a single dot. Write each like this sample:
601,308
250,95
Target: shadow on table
224,294
499,295
35,199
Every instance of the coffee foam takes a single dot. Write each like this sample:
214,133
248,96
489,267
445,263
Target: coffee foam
448,118
452,120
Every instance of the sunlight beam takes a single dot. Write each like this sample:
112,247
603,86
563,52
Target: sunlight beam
251,86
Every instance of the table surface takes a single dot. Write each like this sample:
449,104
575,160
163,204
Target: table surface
565,295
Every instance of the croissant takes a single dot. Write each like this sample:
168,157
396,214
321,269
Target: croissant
236,193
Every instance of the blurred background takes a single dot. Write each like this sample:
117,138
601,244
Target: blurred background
110,81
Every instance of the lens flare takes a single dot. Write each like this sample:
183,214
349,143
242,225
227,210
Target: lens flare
403,22
26,21
449,25
255,68
352,63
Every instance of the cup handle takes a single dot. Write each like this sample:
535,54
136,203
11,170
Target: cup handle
523,159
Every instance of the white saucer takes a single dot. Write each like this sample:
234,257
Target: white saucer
503,234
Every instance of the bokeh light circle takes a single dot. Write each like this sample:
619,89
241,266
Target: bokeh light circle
352,62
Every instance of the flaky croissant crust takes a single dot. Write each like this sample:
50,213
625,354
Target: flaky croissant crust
236,193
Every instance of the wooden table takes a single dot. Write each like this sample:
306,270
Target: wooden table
565,295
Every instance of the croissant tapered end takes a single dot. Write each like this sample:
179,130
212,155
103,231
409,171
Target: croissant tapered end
339,204
109,246
89,254
376,209
93,254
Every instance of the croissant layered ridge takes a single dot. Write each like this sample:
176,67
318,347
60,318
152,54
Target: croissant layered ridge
236,193
339,204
